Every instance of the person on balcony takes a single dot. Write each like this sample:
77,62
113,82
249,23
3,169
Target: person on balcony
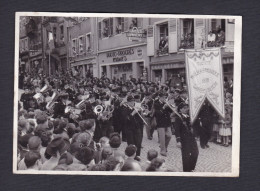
162,43
211,39
220,38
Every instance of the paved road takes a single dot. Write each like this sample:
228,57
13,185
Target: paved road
214,159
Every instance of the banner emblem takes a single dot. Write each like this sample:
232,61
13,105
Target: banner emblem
205,80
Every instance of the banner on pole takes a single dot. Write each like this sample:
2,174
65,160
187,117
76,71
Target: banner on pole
205,80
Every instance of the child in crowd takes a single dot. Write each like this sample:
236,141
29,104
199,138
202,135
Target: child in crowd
225,129
151,154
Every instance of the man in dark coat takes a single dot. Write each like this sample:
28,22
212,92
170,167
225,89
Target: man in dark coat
25,98
134,126
204,124
184,134
162,114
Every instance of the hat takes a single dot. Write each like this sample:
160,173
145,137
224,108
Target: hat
75,147
130,150
85,155
130,98
65,158
34,143
136,96
115,140
181,105
57,144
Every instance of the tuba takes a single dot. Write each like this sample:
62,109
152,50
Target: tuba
39,97
45,88
50,105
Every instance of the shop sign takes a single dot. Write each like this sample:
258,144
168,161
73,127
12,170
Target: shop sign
136,34
120,55
139,53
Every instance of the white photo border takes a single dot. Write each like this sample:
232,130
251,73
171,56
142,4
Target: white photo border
236,96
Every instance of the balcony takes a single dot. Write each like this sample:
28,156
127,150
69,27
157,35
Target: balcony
162,52
31,28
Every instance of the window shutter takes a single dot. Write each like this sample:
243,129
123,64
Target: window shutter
110,26
91,42
99,30
172,40
199,33
77,46
150,40
84,44
126,24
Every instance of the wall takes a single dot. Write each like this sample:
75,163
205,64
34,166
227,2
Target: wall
119,40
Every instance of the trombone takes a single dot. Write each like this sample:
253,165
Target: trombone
136,109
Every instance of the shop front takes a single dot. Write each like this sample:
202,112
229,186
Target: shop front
85,68
163,72
124,63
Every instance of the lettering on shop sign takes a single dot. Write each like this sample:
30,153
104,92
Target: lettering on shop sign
120,55
120,59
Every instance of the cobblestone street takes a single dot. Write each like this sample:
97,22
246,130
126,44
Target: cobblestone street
214,159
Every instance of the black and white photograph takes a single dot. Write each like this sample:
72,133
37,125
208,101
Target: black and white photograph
105,93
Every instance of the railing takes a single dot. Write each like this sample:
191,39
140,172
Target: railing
162,52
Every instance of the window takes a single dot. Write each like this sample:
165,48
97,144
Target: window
136,22
99,30
216,36
61,32
81,47
74,47
88,43
54,32
187,33
163,32
107,27
119,25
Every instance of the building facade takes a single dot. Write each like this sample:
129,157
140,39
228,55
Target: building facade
82,47
121,47
56,56
30,45
167,40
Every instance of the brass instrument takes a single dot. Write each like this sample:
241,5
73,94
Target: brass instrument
108,112
50,105
73,113
172,107
98,109
39,96
136,109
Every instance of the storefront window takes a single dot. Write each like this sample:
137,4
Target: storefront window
187,33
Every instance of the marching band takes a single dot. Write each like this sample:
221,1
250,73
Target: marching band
125,107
